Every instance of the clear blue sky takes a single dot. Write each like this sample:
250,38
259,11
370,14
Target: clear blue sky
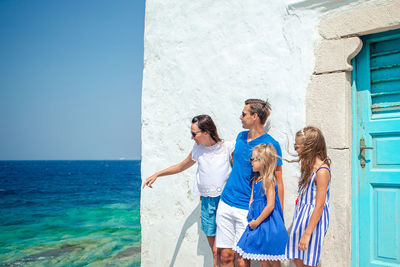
70,79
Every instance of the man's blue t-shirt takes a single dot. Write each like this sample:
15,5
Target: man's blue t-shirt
237,190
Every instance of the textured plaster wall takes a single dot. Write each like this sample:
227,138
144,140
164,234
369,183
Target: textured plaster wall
208,57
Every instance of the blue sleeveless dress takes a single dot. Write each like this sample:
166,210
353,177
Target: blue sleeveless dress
268,240
302,213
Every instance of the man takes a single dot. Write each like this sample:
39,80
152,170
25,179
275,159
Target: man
233,207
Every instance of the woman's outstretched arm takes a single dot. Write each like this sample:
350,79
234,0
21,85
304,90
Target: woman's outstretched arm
177,168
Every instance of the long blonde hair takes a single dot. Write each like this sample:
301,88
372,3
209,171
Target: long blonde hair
314,147
268,158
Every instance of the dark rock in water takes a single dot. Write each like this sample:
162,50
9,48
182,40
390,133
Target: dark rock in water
54,252
51,253
128,252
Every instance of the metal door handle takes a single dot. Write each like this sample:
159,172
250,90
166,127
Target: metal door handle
366,147
362,152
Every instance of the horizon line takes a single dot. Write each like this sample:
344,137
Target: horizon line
70,159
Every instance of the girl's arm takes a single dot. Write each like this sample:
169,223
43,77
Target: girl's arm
180,167
279,181
322,180
267,210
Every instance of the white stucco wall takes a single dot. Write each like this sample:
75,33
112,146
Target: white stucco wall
209,57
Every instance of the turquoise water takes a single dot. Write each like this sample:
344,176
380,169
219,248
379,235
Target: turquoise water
70,213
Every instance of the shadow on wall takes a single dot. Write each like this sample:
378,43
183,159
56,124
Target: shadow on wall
202,246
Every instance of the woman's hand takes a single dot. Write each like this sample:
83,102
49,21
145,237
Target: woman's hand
304,241
253,224
150,181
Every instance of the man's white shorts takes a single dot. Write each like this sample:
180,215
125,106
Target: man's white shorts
231,223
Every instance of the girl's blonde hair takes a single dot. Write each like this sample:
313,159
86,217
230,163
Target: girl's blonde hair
313,146
268,158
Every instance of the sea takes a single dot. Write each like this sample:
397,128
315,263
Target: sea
70,213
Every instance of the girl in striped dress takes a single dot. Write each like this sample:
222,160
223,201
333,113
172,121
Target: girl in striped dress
311,215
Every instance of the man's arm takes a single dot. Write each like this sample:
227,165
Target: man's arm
278,176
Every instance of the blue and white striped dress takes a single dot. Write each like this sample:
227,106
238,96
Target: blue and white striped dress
302,213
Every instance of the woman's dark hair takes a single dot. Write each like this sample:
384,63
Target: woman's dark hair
206,124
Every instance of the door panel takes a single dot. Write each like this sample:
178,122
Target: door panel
387,147
386,232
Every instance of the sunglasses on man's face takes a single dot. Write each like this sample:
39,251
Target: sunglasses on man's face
254,158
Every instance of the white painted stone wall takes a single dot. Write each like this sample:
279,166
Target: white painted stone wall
209,57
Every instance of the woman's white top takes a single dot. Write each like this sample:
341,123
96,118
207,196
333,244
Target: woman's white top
213,168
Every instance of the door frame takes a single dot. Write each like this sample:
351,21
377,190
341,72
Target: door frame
355,189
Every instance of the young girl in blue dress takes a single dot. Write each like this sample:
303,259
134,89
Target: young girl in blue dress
265,237
311,215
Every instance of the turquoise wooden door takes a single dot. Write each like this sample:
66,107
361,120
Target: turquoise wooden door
376,152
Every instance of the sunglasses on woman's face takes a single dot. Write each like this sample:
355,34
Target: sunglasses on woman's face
195,133
254,158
